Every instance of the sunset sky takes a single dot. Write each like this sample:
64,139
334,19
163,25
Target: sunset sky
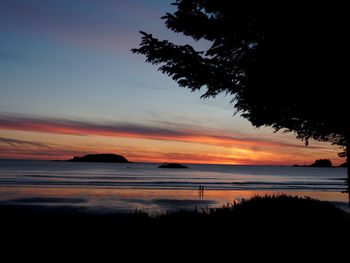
69,85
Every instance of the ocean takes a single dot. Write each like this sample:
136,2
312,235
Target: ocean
117,187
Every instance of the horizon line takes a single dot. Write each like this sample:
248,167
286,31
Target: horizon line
58,160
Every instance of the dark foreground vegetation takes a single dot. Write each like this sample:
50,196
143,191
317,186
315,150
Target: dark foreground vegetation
282,227
265,217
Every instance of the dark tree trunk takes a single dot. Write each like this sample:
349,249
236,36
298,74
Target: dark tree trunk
348,171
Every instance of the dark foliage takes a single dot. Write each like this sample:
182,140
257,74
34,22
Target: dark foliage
261,219
283,62
268,227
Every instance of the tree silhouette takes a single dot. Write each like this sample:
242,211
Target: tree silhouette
283,62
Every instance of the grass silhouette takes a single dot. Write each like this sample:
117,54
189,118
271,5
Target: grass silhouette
271,226
271,217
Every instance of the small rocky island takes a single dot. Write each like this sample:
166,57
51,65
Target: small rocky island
100,158
172,165
318,163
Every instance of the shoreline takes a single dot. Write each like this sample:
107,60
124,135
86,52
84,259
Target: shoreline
125,200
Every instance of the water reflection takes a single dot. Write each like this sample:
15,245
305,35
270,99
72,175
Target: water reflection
201,191
129,200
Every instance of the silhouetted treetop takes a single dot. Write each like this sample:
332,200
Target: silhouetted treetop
285,63
280,60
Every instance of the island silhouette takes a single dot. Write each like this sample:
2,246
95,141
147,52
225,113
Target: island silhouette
100,158
317,163
172,165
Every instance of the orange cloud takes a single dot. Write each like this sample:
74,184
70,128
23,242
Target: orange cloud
190,145
133,131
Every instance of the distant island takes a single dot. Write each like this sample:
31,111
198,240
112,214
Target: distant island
172,165
100,158
344,165
317,163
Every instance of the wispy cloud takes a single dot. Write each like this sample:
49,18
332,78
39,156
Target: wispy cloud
132,130
25,149
17,143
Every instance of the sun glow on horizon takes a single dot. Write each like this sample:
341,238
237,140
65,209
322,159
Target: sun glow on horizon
24,144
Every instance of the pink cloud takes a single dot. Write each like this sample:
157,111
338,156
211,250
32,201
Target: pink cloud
128,130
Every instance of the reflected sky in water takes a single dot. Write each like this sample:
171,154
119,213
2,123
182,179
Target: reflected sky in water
143,186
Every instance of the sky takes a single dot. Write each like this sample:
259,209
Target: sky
69,85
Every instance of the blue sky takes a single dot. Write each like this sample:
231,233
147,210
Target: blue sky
71,60
68,60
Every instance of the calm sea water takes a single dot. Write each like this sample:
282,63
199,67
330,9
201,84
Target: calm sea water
125,187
